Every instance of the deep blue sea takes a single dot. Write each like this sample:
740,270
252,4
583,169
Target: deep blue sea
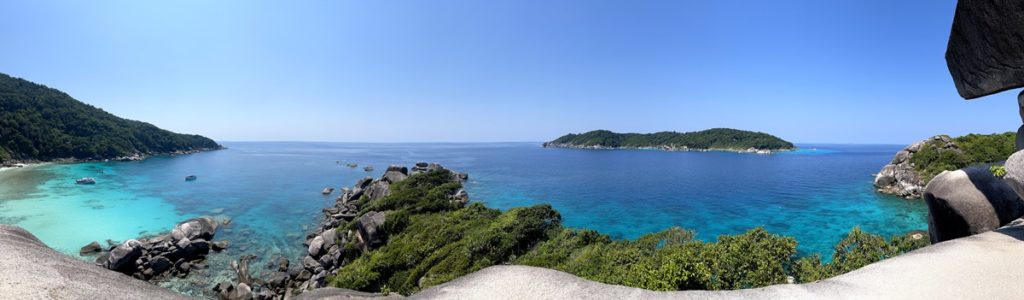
271,191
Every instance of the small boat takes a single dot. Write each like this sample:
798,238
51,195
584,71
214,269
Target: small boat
351,165
85,180
368,169
191,178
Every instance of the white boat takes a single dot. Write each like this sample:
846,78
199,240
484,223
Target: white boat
85,180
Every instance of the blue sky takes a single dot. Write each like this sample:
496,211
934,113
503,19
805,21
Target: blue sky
865,71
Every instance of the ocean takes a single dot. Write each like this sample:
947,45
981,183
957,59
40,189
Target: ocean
271,192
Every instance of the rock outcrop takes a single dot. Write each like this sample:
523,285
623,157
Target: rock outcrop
31,270
325,252
969,201
900,178
985,46
172,254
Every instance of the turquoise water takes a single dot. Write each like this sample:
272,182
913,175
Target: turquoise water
271,191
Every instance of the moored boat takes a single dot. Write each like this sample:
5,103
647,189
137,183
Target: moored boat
368,169
191,178
85,180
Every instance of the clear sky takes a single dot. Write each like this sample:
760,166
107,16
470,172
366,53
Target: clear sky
848,71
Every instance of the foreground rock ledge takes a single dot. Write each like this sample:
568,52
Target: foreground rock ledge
983,266
31,270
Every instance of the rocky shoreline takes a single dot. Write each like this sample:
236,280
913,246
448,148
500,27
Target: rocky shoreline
670,148
327,247
900,178
153,259
19,163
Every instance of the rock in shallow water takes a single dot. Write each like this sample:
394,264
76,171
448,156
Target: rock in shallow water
91,248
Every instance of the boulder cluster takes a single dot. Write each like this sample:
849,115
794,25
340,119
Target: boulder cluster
899,177
326,249
172,254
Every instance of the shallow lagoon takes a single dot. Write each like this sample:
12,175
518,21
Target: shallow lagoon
271,191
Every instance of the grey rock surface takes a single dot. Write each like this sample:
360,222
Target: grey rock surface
342,294
983,266
969,201
31,270
1014,177
395,174
985,54
899,177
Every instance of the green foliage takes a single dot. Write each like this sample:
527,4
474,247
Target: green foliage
997,170
856,250
426,192
717,138
440,246
970,149
40,123
669,260
429,242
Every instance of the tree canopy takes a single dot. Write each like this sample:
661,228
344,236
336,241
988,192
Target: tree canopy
41,123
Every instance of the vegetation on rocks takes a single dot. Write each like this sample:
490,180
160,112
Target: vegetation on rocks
970,149
430,240
41,123
717,138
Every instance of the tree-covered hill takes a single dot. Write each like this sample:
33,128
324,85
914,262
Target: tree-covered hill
717,138
41,124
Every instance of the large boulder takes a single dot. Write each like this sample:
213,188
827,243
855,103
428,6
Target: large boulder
395,174
985,46
969,201
369,228
197,228
316,246
123,257
379,189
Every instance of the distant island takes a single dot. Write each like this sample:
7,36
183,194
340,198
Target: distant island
716,139
39,124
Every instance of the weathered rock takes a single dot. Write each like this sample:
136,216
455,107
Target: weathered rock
969,201
316,246
277,280
198,228
123,257
899,176
1015,172
985,46
395,174
369,229
304,275
160,264
91,248
330,238
310,263
362,183
379,189
219,245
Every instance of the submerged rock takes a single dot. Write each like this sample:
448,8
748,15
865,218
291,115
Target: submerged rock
91,248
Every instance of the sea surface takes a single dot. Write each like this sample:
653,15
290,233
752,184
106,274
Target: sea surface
271,192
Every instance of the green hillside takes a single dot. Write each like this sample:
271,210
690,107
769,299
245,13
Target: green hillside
40,123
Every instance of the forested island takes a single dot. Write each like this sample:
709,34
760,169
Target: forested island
38,123
716,139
